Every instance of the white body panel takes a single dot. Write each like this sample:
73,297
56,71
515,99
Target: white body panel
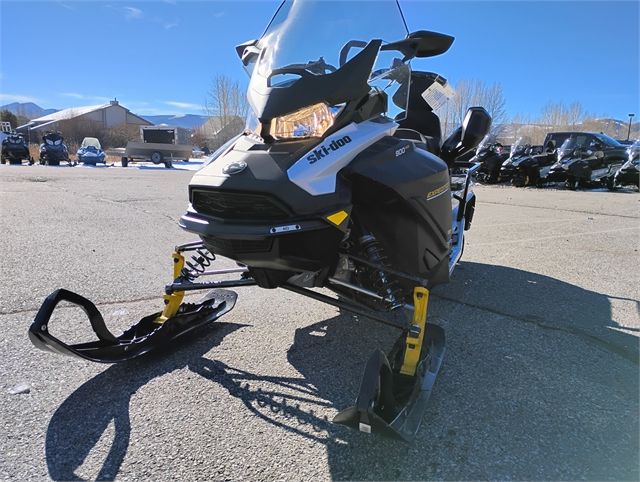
316,171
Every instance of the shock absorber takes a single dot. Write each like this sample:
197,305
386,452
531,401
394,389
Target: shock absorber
198,264
386,287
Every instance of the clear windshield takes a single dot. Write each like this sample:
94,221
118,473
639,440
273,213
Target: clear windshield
485,144
520,146
319,36
609,141
90,142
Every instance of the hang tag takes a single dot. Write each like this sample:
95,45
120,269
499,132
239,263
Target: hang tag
437,95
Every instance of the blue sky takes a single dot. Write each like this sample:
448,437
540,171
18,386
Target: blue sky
158,57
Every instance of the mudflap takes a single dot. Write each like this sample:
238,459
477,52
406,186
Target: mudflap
395,389
145,336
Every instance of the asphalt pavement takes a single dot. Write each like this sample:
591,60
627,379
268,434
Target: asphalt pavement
540,379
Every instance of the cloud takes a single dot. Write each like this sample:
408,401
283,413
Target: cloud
76,95
17,98
183,105
65,5
132,13
168,26
218,14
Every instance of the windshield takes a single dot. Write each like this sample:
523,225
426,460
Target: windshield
610,141
519,147
318,37
308,31
90,142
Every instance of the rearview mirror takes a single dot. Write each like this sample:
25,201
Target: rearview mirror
422,43
247,51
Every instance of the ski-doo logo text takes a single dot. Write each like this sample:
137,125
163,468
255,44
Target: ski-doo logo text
323,150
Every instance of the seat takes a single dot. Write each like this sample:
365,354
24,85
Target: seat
419,115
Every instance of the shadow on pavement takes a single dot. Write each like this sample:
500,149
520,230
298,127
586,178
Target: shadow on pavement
79,423
538,383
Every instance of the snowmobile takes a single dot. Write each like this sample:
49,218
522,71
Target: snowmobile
491,156
533,168
586,160
15,149
629,173
519,151
53,150
340,181
90,152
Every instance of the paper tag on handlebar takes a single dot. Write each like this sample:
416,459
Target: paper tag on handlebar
437,95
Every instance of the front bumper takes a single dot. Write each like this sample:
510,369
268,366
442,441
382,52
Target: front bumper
289,245
52,155
15,154
91,159
628,177
556,175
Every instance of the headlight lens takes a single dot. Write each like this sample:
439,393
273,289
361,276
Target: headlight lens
311,121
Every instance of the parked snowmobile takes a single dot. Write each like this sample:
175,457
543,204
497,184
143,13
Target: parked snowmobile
326,187
490,155
15,150
519,150
53,150
91,152
533,169
629,173
588,159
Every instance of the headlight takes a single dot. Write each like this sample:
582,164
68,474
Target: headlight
311,121
506,163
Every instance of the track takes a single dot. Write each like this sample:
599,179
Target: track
540,379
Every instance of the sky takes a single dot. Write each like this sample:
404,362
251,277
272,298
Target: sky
159,57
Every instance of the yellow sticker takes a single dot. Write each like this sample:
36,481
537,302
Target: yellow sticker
338,218
438,191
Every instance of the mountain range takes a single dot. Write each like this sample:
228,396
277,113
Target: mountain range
27,109
33,111
187,121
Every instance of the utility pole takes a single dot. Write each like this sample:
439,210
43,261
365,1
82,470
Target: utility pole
629,130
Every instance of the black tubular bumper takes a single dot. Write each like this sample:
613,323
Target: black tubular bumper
143,337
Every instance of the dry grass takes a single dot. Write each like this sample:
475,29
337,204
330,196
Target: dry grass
34,151
110,159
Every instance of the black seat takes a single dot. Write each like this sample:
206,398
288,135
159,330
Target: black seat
419,115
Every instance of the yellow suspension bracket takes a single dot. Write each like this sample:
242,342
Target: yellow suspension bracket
173,301
415,336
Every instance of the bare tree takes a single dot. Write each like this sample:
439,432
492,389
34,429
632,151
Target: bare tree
475,93
227,108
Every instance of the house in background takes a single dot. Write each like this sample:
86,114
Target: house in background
217,130
77,122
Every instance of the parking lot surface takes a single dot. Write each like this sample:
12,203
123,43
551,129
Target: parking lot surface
540,379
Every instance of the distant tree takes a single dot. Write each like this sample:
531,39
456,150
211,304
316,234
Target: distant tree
10,117
227,107
226,100
475,93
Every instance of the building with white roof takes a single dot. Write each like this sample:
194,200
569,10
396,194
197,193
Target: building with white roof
103,116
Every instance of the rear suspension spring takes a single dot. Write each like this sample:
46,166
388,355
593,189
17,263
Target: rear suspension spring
385,286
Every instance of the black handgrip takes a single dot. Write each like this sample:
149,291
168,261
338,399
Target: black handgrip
95,317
